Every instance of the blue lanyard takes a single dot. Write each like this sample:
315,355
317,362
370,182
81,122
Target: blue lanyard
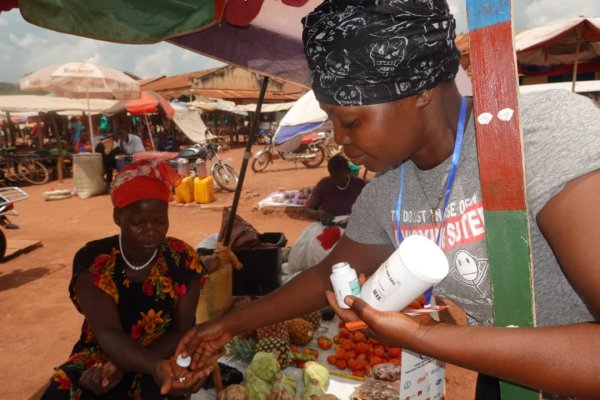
460,131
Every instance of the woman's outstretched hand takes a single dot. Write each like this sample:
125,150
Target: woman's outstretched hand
101,377
204,343
178,381
389,327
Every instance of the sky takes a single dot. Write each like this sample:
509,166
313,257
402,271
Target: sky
25,48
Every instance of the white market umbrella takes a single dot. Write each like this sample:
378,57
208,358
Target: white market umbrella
304,117
83,80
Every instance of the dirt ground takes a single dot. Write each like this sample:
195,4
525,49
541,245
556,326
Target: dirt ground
39,323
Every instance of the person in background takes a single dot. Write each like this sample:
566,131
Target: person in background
104,125
75,128
138,292
335,194
37,133
407,121
330,204
129,143
109,150
84,145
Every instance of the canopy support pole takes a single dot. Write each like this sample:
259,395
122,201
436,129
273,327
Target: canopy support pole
92,140
577,49
247,155
502,170
149,131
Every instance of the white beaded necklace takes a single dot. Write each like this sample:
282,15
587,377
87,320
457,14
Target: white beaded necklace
130,265
345,186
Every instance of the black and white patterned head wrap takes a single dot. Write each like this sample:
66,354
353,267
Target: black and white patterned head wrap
374,51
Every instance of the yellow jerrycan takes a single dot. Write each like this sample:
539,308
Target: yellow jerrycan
184,192
204,190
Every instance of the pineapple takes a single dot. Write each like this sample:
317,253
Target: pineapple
300,331
314,318
242,350
278,347
278,331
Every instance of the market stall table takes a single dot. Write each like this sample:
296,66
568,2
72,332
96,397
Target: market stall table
285,198
340,386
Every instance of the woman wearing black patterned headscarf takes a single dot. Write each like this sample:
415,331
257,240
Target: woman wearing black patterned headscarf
383,70
369,52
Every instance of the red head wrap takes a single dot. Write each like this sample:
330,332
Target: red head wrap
144,180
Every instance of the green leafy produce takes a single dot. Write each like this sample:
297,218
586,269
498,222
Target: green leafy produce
289,382
283,383
279,391
264,365
258,389
313,388
315,370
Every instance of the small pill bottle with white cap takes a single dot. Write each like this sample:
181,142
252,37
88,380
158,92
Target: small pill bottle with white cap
413,268
344,281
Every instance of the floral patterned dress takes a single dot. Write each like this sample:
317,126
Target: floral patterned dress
146,310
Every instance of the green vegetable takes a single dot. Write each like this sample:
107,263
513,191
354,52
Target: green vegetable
284,383
264,365
312,389
315,370
257,388
279,391
289,382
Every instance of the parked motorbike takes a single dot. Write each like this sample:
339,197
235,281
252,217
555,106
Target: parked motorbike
311,152
8,197
223,173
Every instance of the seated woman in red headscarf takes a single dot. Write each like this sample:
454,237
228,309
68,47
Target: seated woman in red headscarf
138,292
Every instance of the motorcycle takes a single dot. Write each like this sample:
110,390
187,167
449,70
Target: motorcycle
8,196
223,173
311,151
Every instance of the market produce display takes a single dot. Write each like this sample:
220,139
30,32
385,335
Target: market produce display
295,359
264,379
355,352
280,339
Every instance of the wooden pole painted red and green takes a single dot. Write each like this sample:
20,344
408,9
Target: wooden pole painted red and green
501,167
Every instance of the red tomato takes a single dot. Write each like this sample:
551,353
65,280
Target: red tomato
311,352
358,337
362,347
395,361
347,344
344,333
374,360
340,353
341,364
331,359
352,363
394,352
324,342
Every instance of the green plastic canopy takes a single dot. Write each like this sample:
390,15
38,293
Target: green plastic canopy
261,36
122,21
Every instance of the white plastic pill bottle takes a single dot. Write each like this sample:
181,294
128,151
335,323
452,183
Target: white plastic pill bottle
344,281
414,267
